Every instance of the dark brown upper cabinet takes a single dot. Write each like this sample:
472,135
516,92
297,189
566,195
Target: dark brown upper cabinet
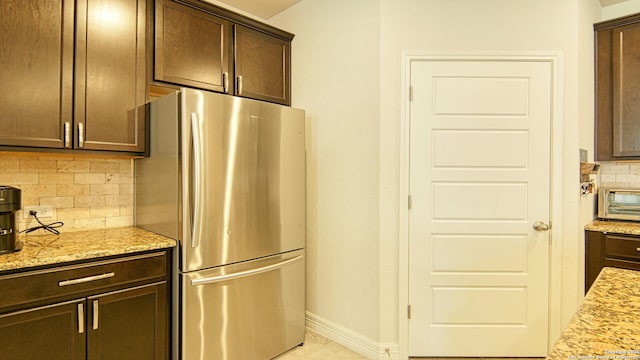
192,47
36,72
111,79
262,66
617,72
203,46
40,71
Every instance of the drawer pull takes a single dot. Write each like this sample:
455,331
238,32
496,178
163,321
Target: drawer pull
96,311
80,318
86,279
638,249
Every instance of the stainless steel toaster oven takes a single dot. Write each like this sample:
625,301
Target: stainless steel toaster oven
619,204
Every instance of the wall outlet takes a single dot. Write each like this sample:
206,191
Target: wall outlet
42,211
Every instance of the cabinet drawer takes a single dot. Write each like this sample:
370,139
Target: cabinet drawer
622,264
37,287
624,247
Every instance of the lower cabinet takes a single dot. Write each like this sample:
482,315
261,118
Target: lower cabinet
129,324
48,332
123,322
609,250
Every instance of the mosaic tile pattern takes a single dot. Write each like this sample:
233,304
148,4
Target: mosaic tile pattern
607,326
86,191
619,174
51,249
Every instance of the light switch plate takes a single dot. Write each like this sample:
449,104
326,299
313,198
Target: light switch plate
584,155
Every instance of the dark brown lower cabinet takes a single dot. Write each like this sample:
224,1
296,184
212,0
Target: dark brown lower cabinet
128,324
116,309
612,250
48,332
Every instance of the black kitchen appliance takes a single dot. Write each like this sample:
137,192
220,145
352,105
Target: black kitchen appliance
10,203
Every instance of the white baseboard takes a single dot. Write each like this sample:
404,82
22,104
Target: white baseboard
351,340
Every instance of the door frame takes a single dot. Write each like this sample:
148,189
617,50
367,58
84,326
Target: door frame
556,180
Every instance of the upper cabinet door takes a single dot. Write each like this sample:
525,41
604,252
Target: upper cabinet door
626,91
36,72
262,66
192,47
111,84
617,89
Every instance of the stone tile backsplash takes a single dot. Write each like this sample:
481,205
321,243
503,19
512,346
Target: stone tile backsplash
86,192
623,175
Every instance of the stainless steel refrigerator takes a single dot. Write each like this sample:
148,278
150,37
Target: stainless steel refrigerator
226,178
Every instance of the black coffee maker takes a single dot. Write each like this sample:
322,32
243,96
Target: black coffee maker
10,203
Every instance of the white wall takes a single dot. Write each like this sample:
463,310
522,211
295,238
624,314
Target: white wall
347,59
335,78
588,13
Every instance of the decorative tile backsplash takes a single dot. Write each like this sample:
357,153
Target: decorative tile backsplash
85,192
620,174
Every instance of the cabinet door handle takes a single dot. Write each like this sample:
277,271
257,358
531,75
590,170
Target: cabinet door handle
96,313
80,318
638,249
239,85
225,82
86,279
81,135
67,134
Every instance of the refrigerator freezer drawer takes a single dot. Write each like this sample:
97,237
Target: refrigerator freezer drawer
250,310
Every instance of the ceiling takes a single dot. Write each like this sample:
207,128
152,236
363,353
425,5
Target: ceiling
610,2
265,8
268,8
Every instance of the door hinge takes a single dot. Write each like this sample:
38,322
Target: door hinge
409,312
410,93
410,202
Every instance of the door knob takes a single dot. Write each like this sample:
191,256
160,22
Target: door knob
541,226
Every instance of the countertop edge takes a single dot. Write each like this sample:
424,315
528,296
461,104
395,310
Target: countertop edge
51,250
619,227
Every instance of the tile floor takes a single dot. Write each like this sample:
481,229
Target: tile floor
317,347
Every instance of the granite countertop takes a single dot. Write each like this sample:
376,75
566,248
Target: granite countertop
52,249
607,325
620,227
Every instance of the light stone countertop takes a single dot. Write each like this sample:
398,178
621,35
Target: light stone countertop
50,249
607,325
619,227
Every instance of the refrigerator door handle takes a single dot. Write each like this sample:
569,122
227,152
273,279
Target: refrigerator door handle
198,167
245,273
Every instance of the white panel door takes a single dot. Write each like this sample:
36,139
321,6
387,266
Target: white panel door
479,180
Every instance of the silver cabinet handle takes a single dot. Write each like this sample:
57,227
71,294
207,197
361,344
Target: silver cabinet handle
67,134
225,82
86,279
638,249
239,274
96,312
81,135
198,173
239,85
541,226
80,318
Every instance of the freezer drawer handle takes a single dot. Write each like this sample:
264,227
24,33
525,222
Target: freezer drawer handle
86,279
245,273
